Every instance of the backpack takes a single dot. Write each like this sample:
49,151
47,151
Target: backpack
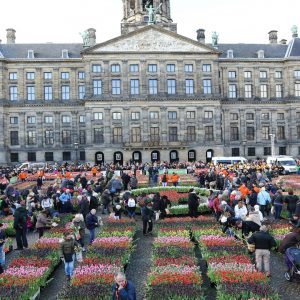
131,203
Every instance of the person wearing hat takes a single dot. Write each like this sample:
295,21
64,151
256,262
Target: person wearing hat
20,225
263,242
2,253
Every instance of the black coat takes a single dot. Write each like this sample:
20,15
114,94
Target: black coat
291,201
20,217
84,207
249,226
193,200
262,240
91,221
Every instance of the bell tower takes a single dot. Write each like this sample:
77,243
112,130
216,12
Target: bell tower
136,15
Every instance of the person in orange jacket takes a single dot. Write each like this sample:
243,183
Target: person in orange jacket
244,191
94,171
22,176
164,178
175,179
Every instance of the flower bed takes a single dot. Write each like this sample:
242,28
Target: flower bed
183,209
8,225
185,221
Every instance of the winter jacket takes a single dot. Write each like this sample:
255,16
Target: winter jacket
254,217
193,200
262,240
290,240
291,201
67,247
249,226
127,293
84,206
91,221
42,221
20,217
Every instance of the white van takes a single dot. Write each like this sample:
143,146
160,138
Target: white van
31,166
287,162
230,160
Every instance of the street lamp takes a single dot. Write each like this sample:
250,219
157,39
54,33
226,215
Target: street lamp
76,151
272,136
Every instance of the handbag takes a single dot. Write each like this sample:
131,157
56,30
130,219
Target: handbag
79,256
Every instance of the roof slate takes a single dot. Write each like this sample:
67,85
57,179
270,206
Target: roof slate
41,51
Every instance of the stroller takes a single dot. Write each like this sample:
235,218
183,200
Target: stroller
292,259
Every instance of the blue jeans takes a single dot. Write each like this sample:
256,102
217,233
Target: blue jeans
278,209
69,267
92,235
2,256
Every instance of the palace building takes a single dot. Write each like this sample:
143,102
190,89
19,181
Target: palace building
148,94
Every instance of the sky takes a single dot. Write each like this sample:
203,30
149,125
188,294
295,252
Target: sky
61,21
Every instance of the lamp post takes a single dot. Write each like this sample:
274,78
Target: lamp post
76,151
272,137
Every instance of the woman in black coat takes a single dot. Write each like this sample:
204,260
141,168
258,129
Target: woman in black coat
193,203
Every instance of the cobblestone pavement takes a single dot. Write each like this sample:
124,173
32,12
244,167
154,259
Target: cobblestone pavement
140,261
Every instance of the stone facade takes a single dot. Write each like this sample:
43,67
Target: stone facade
149,94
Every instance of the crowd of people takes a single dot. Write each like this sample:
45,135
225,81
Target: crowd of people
243,197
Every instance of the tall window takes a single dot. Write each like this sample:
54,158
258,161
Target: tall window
298,132
13,93
278,74
206,68
47,75
153,86
14,120
234,133
251,151
136,135
190,114
263,91
232,91
135,116
82,119
188,68
97,87
98,136
48,119
134,68
30,75
66,137
117,135
115,68
281,132
265,116
248,91
250,133
49,156
209,133
267,151
65,75
282,150
116,86
31,120
81,75
265,132
232,74
152,68
81,92
263,74
31,137
49,137
280,116
14,138
208,114
207,86
278,91
171,85
117,116
170,68
189,86
247,74
191,133
234,116
30,93
173,135
13,76
134,86
297,89
65,92
98,116
96,68
249,116
154,134
48,95
66,119
154,114
297,73
172,115
82,137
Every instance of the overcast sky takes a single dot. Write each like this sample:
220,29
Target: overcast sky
60,21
